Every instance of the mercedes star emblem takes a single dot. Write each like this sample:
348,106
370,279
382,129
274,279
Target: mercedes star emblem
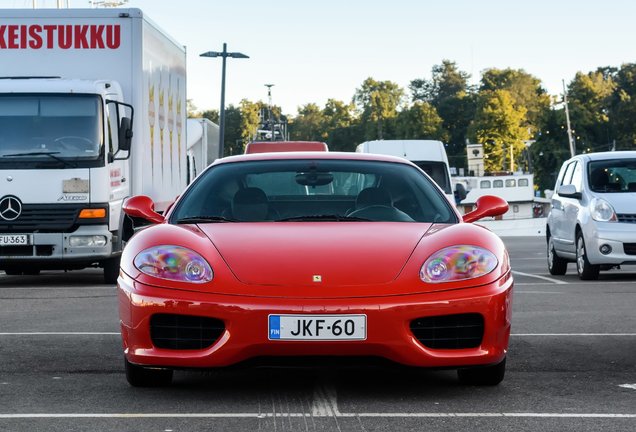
10,208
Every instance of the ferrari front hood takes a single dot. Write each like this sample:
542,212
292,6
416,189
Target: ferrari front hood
311,253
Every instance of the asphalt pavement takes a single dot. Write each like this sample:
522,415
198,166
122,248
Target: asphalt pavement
571,367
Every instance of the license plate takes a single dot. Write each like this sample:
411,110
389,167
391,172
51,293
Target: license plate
15,239
317,327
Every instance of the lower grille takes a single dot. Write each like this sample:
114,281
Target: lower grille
629,248
10,251
184,332
626,217
449,331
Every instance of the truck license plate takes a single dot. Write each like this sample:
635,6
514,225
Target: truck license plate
317,327
15,239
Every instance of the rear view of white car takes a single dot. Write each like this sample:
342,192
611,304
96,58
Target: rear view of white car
592,221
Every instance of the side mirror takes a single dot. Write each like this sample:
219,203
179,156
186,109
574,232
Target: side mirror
487,205
125,134
141,206
569,191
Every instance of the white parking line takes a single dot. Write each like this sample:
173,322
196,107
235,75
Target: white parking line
269,415
556,281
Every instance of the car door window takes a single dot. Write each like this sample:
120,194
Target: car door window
577,177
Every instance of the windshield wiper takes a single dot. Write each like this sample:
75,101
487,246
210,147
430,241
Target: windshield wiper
204,219
326,217
49,154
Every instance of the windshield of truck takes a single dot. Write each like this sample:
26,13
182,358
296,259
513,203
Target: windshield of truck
50,130
438,172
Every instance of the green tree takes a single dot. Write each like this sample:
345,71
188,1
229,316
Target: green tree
309,124
342,125
623,108
550,150
589,102
454,98
500,126
378,102
421,121
526,92
250,120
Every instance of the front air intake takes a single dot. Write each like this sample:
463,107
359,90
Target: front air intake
449,331
184,332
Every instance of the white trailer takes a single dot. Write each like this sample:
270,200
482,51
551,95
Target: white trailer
92,110
203,145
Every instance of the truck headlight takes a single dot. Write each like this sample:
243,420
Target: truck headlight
602,211
174,263
457,263
87,241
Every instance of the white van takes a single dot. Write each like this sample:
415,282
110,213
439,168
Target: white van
430,155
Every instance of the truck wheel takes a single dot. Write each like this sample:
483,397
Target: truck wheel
111,270
585,270
556,264
483,376
139,376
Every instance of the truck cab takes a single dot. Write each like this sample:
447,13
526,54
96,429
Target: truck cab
63,174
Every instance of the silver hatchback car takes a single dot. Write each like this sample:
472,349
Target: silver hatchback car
592,221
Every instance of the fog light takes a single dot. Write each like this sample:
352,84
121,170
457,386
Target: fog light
87,241
605,249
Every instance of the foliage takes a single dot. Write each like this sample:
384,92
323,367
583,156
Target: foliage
378,102
450,93
526,92
421,121
589,99
499,125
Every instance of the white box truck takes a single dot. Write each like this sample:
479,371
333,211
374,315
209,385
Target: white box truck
203,145
92,110
429,155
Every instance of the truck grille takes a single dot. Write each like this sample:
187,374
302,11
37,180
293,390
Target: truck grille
184,332
43,218
449,331
626,217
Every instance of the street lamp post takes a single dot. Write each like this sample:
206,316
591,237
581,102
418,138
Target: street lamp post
224,54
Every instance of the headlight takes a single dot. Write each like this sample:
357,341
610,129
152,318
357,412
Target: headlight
174,263
602,211
457,263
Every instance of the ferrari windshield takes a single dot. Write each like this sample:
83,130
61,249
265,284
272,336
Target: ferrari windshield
50,129
313,190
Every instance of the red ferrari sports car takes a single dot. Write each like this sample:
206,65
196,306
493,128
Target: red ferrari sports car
314,254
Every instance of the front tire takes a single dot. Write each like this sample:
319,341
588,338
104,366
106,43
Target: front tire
139,376
556,265
483,375
111,270
585,270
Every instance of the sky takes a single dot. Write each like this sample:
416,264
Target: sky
317,50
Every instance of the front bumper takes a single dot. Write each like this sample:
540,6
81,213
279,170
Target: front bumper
53,250
614,234
246,325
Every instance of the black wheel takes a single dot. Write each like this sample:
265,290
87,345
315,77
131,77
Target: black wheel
556,264
111,270
139,376
484,375
585,270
